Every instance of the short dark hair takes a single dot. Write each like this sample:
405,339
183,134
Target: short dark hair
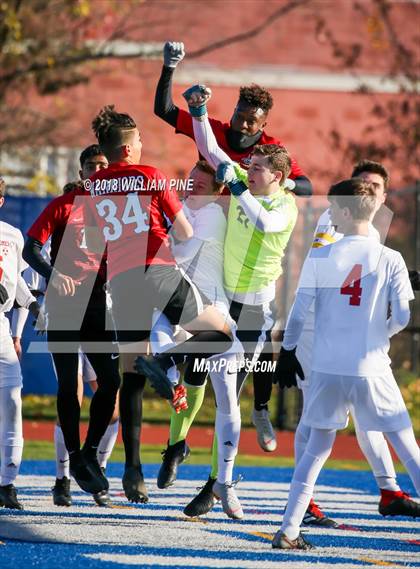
111,128
71,186
89,152
373,167
2,188
278,157
256,96
356,194
204,166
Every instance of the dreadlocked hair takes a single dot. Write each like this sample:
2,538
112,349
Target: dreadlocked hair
111,128
256,96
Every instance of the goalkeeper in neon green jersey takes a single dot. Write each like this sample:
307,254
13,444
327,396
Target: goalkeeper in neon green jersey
261,217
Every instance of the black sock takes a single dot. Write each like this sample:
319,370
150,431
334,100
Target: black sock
263,382
202,345
131,407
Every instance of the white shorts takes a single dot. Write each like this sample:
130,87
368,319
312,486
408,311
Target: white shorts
10,372
85,368
375,403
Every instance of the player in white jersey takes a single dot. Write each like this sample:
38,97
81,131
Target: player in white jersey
352,282
373,444
12,287
201,257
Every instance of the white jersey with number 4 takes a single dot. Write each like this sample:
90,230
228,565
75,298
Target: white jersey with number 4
353,281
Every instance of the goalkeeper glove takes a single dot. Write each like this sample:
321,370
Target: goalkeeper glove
173,53
197,97
226,174
286,368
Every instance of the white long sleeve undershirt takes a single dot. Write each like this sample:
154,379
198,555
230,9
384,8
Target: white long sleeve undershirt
400,316
296,320
273,221
207,144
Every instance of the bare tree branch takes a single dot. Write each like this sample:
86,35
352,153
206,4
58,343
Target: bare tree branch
250,33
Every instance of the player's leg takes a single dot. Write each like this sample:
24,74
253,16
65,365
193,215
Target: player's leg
314,514
131,415
107,442
301,489
263,382
377,405
61,489
180,300
405,445
228,427
177,450
11,440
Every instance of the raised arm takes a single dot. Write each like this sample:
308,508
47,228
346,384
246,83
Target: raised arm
197,97
173,53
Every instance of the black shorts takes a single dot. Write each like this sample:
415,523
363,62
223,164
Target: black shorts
80,320
137,292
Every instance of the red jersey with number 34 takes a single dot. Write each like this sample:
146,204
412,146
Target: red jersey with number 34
129,204
353,281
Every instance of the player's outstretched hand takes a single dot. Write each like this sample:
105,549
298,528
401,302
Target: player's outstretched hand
3,294
197,97
65,285
226,174
173,53
286,369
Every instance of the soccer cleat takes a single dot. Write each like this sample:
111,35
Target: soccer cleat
203,502
265,432
8,497
172,458
85,477
151,367
61,492
281,541
134,486
401,505
90,456
230,503
103,499
314,516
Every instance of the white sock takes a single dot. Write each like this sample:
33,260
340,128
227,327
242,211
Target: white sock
107,442
228,414
406,447
306,473
62,461
376,451
11,438
302,435
228,429
162,339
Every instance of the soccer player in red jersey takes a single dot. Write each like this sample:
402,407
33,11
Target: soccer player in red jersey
245,129
76,306
127,207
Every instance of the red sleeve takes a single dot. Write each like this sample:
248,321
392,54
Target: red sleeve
47,222
296,170
184,124
169,200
